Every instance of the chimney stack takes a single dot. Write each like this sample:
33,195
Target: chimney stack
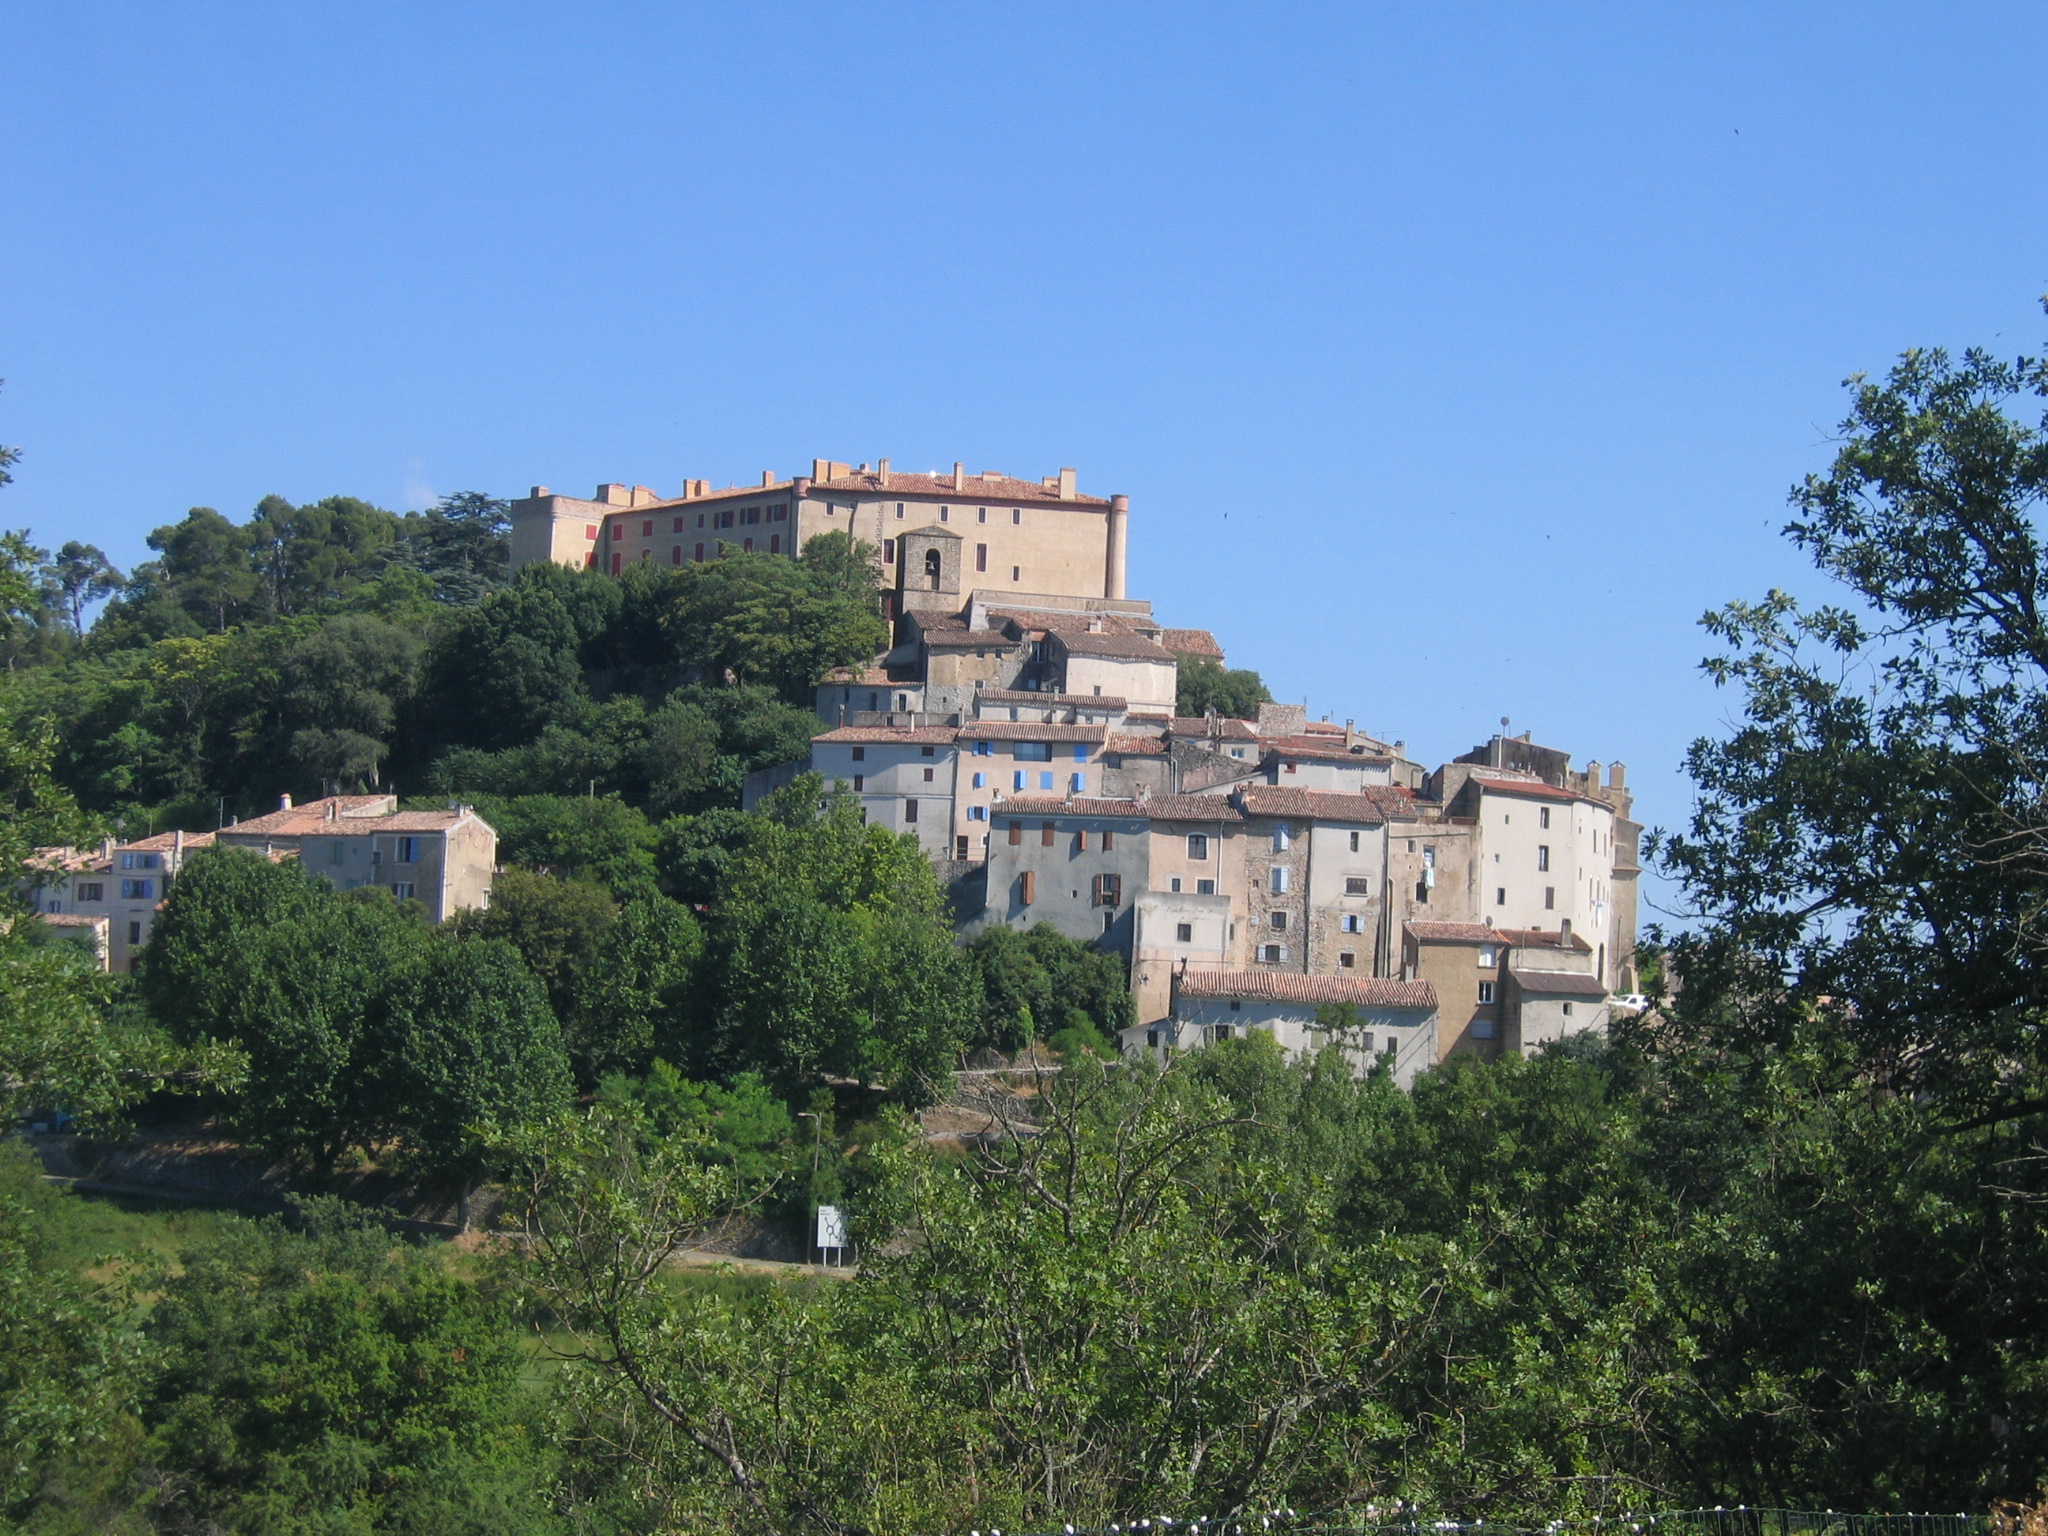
1564,933
767,478
959,476
1066,483
284,802
882,470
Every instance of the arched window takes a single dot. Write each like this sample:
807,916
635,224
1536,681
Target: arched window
931,569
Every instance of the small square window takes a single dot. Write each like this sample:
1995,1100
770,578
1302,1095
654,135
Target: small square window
860,754
1174,884
1346,959
859,781
1205,887
1184,933
1277,921
928,775
1500,896
1486,992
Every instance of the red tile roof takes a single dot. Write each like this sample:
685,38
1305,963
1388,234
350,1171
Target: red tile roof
1083,642
963,639
888,735
1508,781
286,823
1557,983
1191,642
1136,746
1060,700
1220,728
1455,933
164,842
1320,804
1192,808
1027,730
1068,618
1542,938
1359,991
1326,749
1079,805
977,489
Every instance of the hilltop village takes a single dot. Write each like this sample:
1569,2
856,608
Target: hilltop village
1251,872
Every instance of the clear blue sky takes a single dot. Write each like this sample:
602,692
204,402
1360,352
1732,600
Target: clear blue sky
1454,359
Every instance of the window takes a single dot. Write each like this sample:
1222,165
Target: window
137,890
675,554
1081,841
618,562
860,754
1272,954
1027,888
408,850
1486,992
1283,838
981,557
1183,933
860,781
725,519
1205,887
1045,834
1151,1035
1109,890
977,813
135,933
945,514
888,551
1198,845
1482,1029
910,813
1016,833
647,529
1277,921
1279,879
1354,842
899,509
590,532
1500,896
700,519
94,892
981,781
1045,780
1567,1010
1080,751
1346,959
928,775
1542,856
981,514
774,543
1549,898
1016,514
1489,957
402,889
960,846
1287,767
1016,573
618,531
1078,783
747,545
1543,816
1108,921
751,516
984,749
1352,923
874,701
1108,840
1018,779
1032,751
779,513
927,751
1357,885
699,552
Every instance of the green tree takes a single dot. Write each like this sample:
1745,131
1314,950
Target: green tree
78,576
1039,983
205,569
633,994
196,971
602,840
475,1055
557,925
1206,687
463,546
1867,847
504,671
328,1378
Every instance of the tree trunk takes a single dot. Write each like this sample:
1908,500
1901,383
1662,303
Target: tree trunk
462,1209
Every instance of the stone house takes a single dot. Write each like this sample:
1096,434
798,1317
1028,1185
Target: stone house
444,860
1392,1022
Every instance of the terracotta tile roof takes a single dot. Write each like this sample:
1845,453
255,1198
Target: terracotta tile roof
1136,746
1542,938
1026,730
1557,983
1325,749
1068,618
302,823
1510,781
1359,991
1220,728
888,735
278,822
1320,804
1454,933
979,489
74,919
64,860
1191,642
1082,642
1192,808
1079,805
867,677
1061,700
165,842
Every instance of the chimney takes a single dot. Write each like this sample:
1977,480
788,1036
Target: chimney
801,486
882,469
821,469
284,802
178,847
1350,733
767,478
1564,933
539,491
959,476
1066,484
1617,775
